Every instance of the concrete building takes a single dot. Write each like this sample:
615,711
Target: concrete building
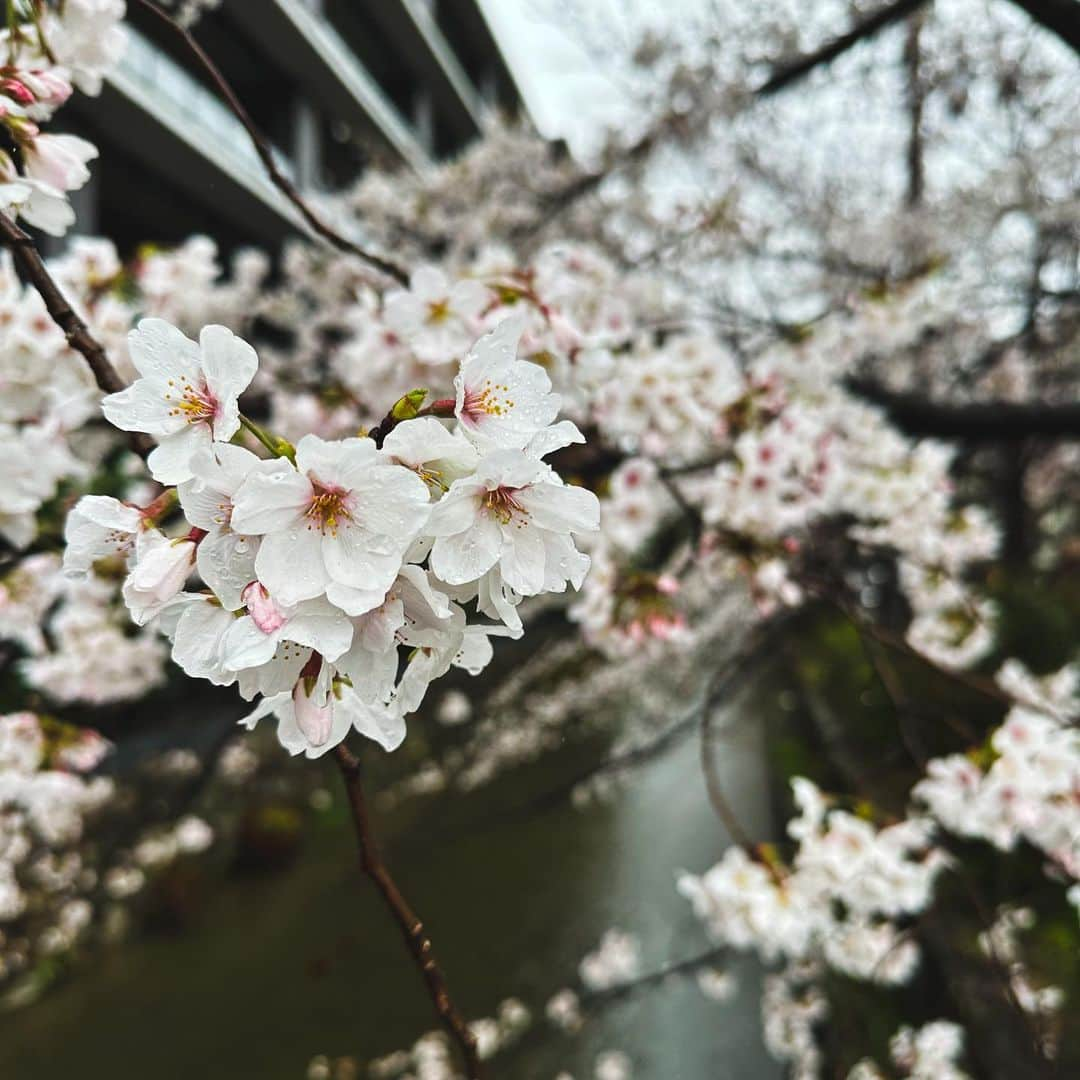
334,85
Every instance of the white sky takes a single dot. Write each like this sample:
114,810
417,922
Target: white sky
567,91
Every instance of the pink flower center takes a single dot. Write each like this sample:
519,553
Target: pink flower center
330,505
195,403
489,399
503,505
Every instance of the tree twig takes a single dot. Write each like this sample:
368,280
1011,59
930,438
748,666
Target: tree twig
266,155
792,70
690,965
411,928
975,421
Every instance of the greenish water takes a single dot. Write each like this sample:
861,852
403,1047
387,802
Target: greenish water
284,967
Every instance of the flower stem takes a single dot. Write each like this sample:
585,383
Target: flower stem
277,447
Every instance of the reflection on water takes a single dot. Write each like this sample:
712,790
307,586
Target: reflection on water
282,968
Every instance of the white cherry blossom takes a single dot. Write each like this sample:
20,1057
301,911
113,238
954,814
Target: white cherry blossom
514,514
226,559
501,400
98,527
437,319
186,394
339,523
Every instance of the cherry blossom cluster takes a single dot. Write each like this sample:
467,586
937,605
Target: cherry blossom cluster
1001,943
1024,788
762,449
53,446
793,1005
842,900
51,50
430,1057
44,802
322,561
931,1052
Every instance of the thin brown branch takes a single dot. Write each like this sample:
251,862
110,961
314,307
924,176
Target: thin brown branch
411,928
717,798
690,965
758,647
893,686
266,155
33,268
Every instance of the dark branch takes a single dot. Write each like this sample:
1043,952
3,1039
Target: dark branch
262,148
794,69
411,928
689,966
993,421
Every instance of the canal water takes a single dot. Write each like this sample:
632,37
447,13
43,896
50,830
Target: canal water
281,968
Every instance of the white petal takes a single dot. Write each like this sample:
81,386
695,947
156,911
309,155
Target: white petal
246,646
467,555
198,638
270,501
230,364
554,438
170,460
227,563
561,508
456,510
143,406
522,560
290,565
354,601
160,351
321,627
382,723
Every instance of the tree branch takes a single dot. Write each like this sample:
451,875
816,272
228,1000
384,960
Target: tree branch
411,928
992,421
794,69
32,266
691,965
266,155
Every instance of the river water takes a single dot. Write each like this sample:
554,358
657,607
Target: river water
306,962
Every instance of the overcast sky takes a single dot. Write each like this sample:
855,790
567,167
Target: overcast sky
568,92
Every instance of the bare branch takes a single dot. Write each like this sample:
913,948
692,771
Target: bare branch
794,69
992,421
691,965
411,928
266,155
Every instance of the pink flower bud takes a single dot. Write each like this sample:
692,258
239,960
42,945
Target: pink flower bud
667,584
48,87
17,90
314,720
262,609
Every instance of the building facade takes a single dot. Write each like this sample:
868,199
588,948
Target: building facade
335,85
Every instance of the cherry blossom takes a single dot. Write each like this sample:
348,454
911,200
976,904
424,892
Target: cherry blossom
186,395
435,317
338,523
